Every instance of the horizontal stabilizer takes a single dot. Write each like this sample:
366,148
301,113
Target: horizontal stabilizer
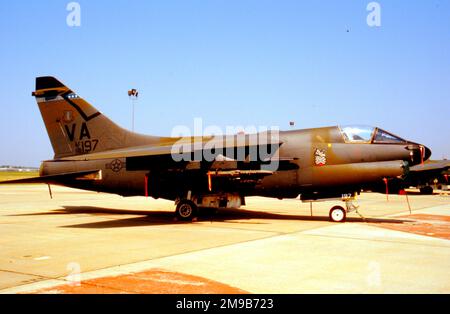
92,175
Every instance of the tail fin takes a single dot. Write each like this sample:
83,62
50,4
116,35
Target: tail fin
74,126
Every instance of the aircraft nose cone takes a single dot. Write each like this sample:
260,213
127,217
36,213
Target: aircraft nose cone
427,153
418,153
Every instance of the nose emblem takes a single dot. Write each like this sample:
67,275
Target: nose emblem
320,157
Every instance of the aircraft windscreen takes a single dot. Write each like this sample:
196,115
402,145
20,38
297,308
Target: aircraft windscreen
357,134
385,137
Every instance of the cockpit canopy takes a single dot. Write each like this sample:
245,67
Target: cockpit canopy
368,134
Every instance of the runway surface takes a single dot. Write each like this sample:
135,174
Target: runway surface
84,242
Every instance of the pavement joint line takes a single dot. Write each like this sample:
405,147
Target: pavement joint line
93,285
382,241
56,281
253,230
38,279
60,279
406,213
204,224
26,274
258,230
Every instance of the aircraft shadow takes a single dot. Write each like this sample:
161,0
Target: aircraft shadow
154,218
422,194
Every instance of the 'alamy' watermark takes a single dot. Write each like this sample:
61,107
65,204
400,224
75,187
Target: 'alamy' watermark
240,144
74,276
74,17
374,17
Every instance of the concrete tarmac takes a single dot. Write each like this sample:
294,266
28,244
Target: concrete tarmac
85,242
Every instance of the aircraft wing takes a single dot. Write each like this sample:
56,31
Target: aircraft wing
441,165
183,148
92,175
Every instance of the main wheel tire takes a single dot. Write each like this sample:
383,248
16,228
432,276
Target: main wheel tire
186,210
338,214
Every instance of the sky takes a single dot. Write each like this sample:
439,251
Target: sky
230,63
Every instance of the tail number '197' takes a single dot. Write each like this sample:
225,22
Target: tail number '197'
86,146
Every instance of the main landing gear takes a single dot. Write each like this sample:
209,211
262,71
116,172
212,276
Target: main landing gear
187,206
339,214
186,210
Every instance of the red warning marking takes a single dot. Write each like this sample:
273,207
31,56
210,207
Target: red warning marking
146,185
422,154
148,282
209,181
429,217
436,226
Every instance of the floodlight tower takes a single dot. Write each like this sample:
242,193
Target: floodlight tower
133,95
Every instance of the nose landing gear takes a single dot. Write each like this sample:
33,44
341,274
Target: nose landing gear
339,214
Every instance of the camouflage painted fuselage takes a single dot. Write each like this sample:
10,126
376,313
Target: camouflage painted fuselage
313,162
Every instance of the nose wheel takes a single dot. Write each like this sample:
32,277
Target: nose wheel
339,214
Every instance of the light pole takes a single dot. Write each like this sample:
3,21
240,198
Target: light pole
133,94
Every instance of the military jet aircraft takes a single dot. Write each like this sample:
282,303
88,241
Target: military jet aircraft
93,153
